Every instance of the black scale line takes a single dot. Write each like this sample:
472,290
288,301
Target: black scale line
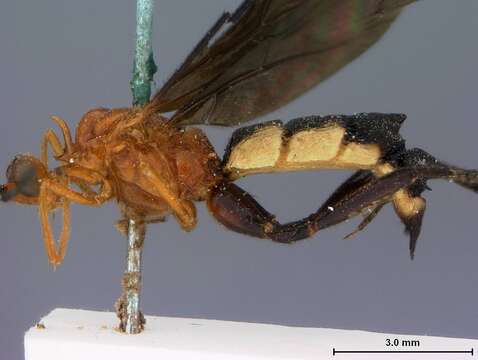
334,352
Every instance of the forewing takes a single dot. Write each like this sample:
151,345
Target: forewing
273,51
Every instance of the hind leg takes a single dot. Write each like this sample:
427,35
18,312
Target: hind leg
237,210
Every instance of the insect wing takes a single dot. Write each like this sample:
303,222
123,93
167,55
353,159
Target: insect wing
272,51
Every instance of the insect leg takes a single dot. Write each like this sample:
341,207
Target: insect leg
53,191
184,210
153,174
410,209
237,210
367,220
66,133
51,138
86,198
409,204
84,178
47,203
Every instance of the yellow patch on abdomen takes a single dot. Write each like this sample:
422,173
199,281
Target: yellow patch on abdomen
360,155
261,150
267,150
315,145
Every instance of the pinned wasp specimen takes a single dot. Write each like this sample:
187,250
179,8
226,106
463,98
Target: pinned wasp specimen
251,62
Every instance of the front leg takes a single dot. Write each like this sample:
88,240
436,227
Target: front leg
55,192
83,177
47,202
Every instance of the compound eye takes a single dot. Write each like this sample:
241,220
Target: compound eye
22,172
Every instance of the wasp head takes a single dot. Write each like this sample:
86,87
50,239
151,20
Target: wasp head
23,179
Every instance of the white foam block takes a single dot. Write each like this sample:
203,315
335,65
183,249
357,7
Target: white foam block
80,334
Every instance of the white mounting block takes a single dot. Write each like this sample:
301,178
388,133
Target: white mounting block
80,334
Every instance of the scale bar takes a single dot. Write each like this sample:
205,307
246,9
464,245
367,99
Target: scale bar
334,352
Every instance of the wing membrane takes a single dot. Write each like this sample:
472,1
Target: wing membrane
273,51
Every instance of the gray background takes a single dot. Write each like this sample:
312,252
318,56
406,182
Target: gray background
65,57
